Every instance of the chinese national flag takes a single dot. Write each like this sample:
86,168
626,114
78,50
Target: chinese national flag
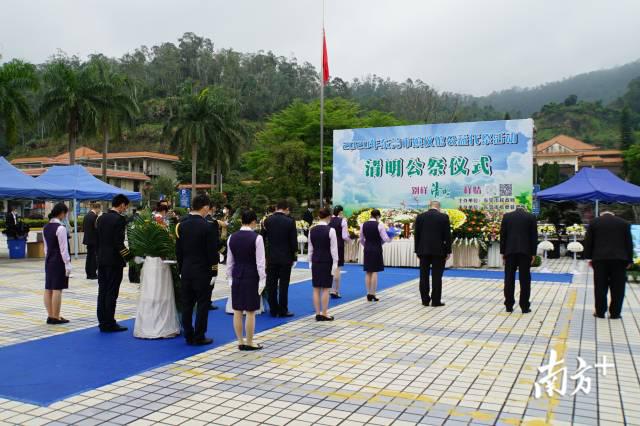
325,60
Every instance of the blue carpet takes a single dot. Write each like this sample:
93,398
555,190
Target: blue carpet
51,369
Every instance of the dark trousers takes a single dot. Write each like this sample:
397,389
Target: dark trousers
609,275
277,286
91,263
522,264
435,266
109,280
196,291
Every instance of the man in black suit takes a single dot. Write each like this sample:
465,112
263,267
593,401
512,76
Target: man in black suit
11,222
281,240
112,258
609,245
433,246
90,240
197,255
518,243
215,227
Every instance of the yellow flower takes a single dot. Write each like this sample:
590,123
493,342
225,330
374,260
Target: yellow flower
456,217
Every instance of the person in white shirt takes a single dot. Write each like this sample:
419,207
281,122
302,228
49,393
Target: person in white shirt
57,263
323,261
247,277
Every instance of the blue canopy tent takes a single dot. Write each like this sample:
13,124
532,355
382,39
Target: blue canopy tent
593,185
15,184
83,186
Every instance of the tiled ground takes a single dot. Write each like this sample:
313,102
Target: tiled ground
394,362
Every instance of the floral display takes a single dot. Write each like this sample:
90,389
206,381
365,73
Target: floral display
575,247
302,225
404,218
456,217
546,229
364,216
545,246
576,229
492,231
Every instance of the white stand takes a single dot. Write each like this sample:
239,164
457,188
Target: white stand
544,268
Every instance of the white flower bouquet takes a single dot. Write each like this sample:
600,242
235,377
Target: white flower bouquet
576,229
575,247
545,246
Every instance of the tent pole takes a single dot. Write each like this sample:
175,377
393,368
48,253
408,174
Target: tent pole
75,229
597,208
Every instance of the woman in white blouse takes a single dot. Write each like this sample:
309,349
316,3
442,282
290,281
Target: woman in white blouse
57,264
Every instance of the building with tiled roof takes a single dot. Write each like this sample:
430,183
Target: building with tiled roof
571,153
126,170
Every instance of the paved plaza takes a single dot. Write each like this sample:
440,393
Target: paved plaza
392,362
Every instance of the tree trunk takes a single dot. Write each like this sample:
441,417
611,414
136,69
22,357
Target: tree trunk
219,174
105,150
194,167
72,145
214,173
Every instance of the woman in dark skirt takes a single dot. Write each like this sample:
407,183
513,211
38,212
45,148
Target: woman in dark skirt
247,277
57,264
339,224
323,261
372,236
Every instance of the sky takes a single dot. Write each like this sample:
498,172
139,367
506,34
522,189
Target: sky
465,46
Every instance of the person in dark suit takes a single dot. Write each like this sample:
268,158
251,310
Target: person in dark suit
90,240
113,256
215,226
281,240
12,218
609,245
518,243
432,233
197,254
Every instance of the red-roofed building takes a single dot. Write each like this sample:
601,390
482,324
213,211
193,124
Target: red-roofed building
126,170
574,154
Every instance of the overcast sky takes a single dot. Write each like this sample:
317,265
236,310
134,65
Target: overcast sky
470,46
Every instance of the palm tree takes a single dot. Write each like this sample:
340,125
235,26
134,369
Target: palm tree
194,126
16,78
222,151
73,96
117,106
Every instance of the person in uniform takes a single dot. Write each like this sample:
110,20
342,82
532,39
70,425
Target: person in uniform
281,239
372,236
518,244
247,277
90,240
323,261
57,266
609,245
433,248
197,255
112,258
215,226
339,224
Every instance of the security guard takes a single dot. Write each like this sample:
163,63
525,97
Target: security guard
196,251
112,258
210,218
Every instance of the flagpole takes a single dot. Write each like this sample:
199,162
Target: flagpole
322,77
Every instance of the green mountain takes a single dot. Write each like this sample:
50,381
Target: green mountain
603,85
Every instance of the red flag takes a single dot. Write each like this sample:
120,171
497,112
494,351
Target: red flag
325,60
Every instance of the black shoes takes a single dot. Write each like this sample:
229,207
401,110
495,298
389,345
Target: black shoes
598,316
323,318
113,329
435,305
249,348
56,320
212,307
199,342
526,310
509,308
372,298
92,278
614,317
286,315
335,296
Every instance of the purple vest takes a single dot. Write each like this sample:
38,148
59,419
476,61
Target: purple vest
54,256
319,236
336,223
243,247
371,234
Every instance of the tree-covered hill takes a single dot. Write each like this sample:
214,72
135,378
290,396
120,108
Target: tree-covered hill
604,85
